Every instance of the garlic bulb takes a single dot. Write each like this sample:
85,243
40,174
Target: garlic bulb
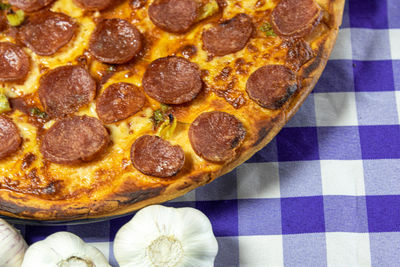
63,249
165,237
12,246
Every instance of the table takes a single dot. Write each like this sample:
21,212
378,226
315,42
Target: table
326,190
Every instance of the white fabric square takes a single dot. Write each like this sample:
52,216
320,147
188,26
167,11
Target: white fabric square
372,105
398,103
370,44
395,43
348,249
104,247
343,49
335,109
258,180
342,177
260,251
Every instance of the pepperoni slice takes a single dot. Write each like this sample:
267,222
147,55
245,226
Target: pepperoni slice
75,140
30,5
295,18
154,156
115,41
45,32
64,90
14,63
176,16
229,36
172,80
271,86
216,135
119,101
94,4
10,139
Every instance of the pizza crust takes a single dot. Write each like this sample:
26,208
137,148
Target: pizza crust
129,196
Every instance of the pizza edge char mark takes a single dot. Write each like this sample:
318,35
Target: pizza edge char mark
215,136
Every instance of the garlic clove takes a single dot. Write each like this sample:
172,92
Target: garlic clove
201,243
148,224
72,245
40,253
63,249
12,245
162,236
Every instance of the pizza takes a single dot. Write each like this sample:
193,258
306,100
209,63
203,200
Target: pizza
109,106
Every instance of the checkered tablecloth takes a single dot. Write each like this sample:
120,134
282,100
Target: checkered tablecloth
326,190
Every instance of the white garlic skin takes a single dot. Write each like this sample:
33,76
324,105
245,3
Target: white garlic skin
12,246
63,249
176,237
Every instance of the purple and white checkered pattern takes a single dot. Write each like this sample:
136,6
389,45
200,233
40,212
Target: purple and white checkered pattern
326,190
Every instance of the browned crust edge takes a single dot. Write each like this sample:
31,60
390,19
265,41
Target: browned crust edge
126,199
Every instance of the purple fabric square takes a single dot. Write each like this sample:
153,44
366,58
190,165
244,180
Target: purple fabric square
381,177
345,214
380,142
300,178
267,154
260,217
373,76
222,214
394,13
304,250
383,213
368,14
222,188
302,215
396,69
37,233
337,77
341,143
295,144
94,232
228,252
385,249
346,16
